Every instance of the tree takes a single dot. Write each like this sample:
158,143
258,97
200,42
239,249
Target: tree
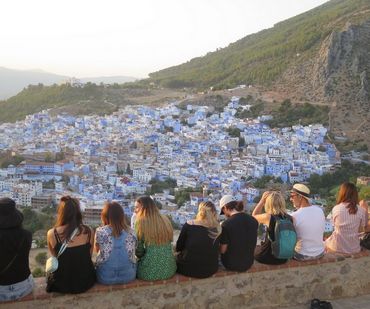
129,170
49,157
241,142
233,132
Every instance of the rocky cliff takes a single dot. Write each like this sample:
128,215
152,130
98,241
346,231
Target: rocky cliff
337,74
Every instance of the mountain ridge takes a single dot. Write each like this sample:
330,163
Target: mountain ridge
12,81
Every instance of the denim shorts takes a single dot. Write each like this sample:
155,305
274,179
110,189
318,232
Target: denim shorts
17,290
301,257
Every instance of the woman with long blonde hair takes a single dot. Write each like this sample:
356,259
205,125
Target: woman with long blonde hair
154,233
273,203
198,243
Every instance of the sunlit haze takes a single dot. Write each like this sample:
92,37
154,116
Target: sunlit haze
132,38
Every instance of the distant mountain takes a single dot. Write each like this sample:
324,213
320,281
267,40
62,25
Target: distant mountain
13,81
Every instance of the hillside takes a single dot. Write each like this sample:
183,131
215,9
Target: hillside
262,57
90,99
321,56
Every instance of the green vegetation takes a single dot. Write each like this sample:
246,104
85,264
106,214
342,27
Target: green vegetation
233,132
183,195
288,115
41,258
90,99
38,272
255,111
7,158
262,57
34,221
264,180
351,144
328,184
158,186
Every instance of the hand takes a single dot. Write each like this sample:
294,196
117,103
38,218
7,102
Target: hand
265,195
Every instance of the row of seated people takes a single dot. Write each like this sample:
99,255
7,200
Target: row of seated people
145,252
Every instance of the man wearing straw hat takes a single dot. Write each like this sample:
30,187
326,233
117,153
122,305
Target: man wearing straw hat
309,223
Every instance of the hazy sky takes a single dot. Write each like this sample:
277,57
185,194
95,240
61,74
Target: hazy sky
128,37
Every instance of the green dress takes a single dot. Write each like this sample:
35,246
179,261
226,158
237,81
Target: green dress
156,262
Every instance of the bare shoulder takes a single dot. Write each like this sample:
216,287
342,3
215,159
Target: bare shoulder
50,232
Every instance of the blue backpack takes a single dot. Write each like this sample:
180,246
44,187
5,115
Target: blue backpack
285,238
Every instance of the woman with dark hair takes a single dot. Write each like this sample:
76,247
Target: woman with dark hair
154,232
115,243
15,277
75,273
198,243
349,220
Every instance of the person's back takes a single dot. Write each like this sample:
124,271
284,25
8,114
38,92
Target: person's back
198,252
75,273
15,242
154,234
274,205
239,233
309,223
349,219
115,262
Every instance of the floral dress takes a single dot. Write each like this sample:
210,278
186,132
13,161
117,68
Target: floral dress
156,262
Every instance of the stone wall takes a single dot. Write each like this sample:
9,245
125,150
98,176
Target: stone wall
261,287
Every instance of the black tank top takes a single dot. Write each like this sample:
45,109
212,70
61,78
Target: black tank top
75,273
264,253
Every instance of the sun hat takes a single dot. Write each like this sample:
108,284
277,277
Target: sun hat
226,199
302,190
9,215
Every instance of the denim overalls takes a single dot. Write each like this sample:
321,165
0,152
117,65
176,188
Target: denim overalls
118,268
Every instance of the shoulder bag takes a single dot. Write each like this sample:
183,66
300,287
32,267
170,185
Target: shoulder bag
52,262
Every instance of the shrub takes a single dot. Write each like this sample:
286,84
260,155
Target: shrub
41,258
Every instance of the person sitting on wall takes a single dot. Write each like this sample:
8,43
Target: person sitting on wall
309,223
198,244
115,243
154,234
238,237
75,272
349,220
16,280
274,204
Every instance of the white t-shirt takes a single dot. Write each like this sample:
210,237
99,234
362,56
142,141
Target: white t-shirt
309,223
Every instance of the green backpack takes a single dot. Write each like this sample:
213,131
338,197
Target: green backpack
285,238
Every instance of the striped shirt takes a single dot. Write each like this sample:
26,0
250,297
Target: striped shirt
345,238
